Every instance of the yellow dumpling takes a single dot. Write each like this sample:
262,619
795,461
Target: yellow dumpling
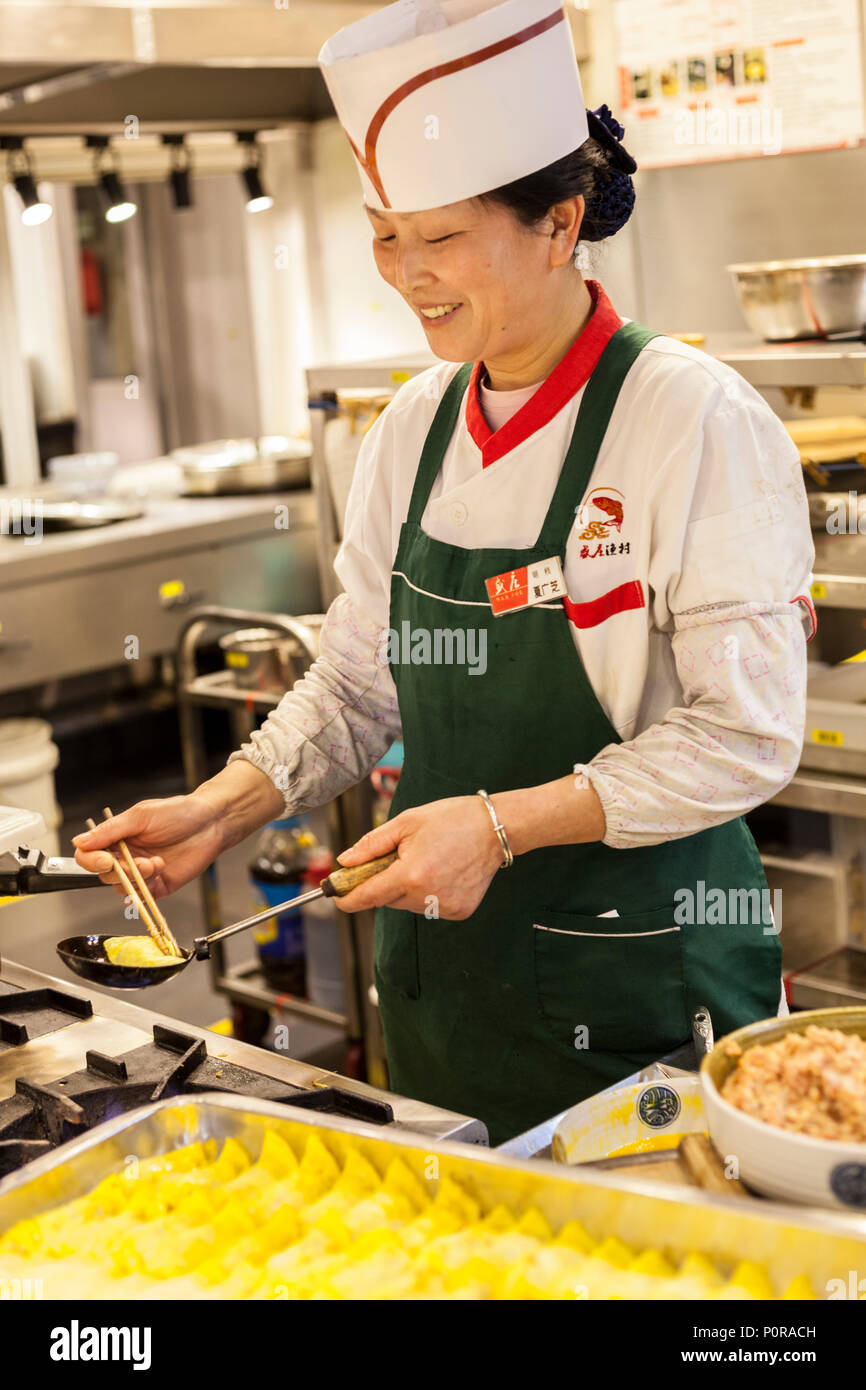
137,950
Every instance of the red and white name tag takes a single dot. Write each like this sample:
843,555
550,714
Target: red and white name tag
525,586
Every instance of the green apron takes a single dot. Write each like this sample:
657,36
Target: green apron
537,1001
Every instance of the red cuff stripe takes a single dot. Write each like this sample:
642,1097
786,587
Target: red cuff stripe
804,598
598,610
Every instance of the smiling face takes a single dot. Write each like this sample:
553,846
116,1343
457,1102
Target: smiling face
507,289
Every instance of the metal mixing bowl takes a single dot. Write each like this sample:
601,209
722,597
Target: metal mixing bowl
811,298
261,658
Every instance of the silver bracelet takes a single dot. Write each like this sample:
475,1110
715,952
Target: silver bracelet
501,834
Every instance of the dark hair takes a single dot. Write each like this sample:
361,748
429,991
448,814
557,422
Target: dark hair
599,170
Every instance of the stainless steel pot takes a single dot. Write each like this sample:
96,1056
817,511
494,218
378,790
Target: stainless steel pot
262,659
270,464
810,298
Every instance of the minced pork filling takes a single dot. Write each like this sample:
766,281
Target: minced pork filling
812,1082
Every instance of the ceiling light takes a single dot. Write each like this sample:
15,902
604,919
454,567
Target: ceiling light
118,207
257,199
179,171
34,210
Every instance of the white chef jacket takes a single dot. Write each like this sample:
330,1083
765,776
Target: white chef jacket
687,571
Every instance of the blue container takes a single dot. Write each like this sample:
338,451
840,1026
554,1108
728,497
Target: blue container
276,875
280,942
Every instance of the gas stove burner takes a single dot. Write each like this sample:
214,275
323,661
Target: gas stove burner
41,1117
26,1014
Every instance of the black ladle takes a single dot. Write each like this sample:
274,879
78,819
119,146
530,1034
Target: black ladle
86,956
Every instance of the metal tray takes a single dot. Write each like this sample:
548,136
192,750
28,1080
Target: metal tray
789,1241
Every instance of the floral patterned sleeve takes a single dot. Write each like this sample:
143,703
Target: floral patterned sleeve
734,742
331,729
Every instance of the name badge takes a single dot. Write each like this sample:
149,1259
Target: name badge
526,586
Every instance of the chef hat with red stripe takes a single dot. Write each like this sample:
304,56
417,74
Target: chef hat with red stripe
445,99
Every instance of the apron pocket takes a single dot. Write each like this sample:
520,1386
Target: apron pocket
395,950
614,984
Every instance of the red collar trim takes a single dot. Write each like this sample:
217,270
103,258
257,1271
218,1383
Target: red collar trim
555,391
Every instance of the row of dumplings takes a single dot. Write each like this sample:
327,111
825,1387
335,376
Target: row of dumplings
207,1222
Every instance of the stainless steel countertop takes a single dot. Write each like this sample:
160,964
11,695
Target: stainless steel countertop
118,1026
809,363
169,525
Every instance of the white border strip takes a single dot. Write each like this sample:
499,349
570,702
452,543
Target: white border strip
560,931
463,602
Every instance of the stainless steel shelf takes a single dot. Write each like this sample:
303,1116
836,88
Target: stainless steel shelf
832,793
839,579
376,375
837,982
218,689
245,984
812,363
839,590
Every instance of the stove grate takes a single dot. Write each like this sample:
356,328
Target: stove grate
31,1013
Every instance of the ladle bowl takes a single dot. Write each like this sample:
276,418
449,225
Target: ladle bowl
86,956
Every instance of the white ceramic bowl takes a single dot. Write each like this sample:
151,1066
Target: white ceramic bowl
778,1162
653,1114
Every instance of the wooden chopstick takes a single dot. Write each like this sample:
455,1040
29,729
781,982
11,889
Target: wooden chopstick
169,941
152,928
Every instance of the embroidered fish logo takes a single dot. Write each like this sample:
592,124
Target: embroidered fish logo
613,509
612,514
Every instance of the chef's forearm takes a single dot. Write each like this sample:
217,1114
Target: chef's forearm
242,798
331,729
553,813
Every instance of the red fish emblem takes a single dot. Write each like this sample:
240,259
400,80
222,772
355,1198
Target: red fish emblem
612,514
613,509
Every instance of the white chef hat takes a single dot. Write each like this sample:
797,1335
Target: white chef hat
446,99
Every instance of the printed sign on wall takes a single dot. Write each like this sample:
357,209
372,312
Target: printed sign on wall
732,79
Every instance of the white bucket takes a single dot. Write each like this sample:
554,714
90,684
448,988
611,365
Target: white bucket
27,762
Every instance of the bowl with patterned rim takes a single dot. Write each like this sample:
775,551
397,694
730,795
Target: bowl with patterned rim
777,1162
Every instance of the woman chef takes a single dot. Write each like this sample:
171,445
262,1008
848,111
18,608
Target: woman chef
576,560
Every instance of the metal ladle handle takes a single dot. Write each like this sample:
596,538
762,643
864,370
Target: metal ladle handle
336,885
702,1032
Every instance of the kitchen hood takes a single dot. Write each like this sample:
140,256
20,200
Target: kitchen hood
68,67
202,64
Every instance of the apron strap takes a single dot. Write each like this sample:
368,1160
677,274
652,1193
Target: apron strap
436,442
593,418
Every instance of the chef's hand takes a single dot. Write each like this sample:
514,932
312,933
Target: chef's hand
175,838
171,840
447,855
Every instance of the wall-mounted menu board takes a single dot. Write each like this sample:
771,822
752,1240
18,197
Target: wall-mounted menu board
732,79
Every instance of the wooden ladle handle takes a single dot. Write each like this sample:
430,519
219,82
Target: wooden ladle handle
342,881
